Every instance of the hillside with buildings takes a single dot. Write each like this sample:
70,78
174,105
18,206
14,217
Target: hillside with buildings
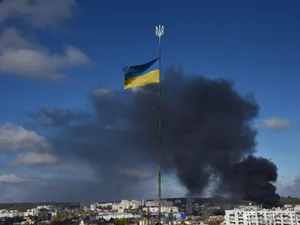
212,211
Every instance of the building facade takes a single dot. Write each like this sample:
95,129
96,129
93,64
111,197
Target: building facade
164,209
189,206
257,216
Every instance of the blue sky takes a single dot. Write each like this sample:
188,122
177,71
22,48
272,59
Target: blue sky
254,43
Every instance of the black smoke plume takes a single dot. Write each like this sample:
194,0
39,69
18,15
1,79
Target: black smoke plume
208,137
252,179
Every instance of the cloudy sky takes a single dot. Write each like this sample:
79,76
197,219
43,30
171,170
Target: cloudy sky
55,56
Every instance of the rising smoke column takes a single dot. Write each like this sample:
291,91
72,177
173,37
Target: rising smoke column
207,133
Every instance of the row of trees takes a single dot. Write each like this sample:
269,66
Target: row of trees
290,200
213,223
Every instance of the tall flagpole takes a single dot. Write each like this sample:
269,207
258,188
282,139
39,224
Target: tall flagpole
159,30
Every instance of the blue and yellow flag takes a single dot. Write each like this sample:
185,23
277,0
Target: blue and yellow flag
141,75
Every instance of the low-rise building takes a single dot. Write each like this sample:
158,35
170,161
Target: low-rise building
164,209
108,216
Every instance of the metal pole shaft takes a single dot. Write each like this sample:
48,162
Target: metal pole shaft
148,215
159,135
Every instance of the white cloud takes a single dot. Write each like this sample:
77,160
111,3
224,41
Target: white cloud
32,149
17,138
289,187
137,89
65,169
45,119
137,174
276,123
11,39
100,92
74,167
11,178
33,63
25,58
19,56
36,158
66,187
142,90
37,13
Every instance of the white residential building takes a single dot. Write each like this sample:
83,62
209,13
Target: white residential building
8,213
125,205
151,203
252,215
105,205
43,206
109,216
32,212
13,213
133,204
93,207
164,209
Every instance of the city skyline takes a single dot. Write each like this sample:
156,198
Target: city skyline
61,64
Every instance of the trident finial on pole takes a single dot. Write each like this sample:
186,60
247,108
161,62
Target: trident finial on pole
159,31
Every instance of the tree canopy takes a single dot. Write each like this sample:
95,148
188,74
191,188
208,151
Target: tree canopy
121,221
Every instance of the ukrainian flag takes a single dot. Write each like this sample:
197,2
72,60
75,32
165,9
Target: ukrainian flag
141,75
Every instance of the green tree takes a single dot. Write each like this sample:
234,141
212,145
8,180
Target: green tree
136,220
117,221
94,213
41,223
43,215
85,212
206,215
54,218
167,220
121,221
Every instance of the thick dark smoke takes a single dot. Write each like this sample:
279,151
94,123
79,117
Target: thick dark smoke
252,179
207,137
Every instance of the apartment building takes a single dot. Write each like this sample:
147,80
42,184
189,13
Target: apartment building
14,213
252,215
189,206
164,209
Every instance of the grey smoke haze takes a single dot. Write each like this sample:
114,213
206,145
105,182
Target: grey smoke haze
59,117
207,137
